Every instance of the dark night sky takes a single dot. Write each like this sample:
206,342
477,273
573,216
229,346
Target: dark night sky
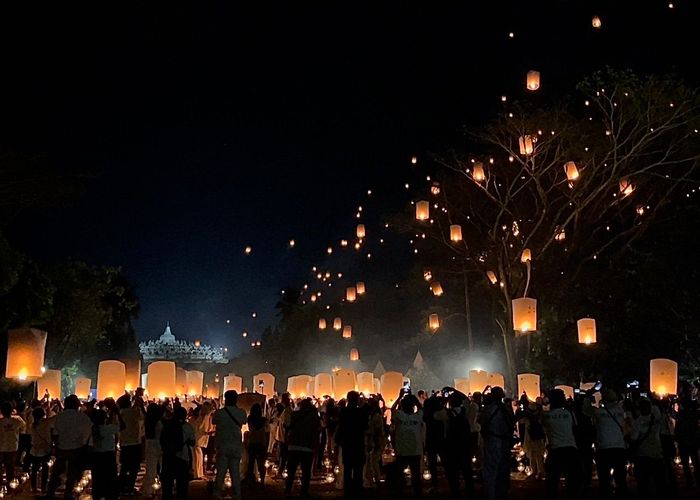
208,128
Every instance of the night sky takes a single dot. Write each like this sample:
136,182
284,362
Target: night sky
208,128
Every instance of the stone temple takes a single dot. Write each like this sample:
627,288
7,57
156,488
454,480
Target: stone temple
168,348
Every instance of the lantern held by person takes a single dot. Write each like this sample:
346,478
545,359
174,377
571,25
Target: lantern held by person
181,381
213,391
529,384
264,383
391,383
462,385
111,379
533,80
161,379
422,210
233,383
25,353
456,233
195,382
497,380
49,383
344,381
567,390
586,331
323,385
524,314
133,373
297,386
365,383
478,380
82,387
663,376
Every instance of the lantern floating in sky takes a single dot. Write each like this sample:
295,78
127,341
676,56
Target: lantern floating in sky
435,188
626,187
414,160
360,231
663,376
492,277
436,288
161,379
337,324
248,250
524,314
433,322
571,170
360,287
478,172
526,256
596,22
422,210
529,384
49,383
322,324
526,145
350,294
427,275
533,80
560,234
25,353
195,382
586,331
456,233
354,354
82,387
111,379
347,332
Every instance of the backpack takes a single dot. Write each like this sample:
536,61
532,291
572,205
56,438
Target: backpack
458,429
172,438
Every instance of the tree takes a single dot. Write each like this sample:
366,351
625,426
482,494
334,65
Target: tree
633,145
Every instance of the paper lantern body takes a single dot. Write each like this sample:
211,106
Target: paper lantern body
462,385
233,383
422,210
347,332
597,396
365,383
526,145
323,385
360,231
269,380
377,386
354,354
350,294
529,384
478,379
161,379
133,374
297,386
526,256
391,382
571,170
433,322
181,381
497,380
586,331
478,173
360,287
82,387
144,381
337,324
626,187
663,376
344,381
436,288
322,324
50,382
455,233
492,277
533,80
596,22
111,379
25,353
524,315
195,382
213,391
567,389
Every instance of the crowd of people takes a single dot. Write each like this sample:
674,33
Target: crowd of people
358,443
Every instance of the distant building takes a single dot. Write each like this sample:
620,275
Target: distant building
167,347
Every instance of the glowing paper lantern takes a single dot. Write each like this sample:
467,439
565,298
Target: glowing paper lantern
25,353
195,382
322,324
161,379
344,381
391,383
436,288
596,22
456,233
360,287
567,389
478,172
180,381
350,294
213,391
360,231
82,387
347,332
663,376
337,324
529,384
626,187
524,314
233,383
323,385
492,277
533,80
560,234
497,380
427,275
377,386
133,373
268,380
478,379
354,354
526,256
462,385
422,210
586,331
297,386
365,383
526,145
111,379
571,170
433,322
49,383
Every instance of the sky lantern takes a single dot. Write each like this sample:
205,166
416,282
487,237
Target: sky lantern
181,381
492,277
422,210
533,80
497,380
526,256
436,288
360,287
161,379
663,376
526,145
344,381
350,294
322,323
133,373
337,324
82,387
626,187
365,383
347,332
297,386
435,188
391,383
354,354
478,172
25,353
268,384
433,322
323,385
478,379
414,160
248,250
49,383
596,22
360,231
462,385
524,315
571,170
213,391
567,390
529,384
455,233
586,331
560,234
111,379
233,383
427,275
195,382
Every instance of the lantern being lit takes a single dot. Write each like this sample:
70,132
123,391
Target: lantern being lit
195,382
181,381
365,383
354,354
533,80
529,384
422,210
133,373
360,287
360,231
323,385
344,381
25,353
436,288
49,383
111,379
433,322
322,323
391,384
663,376
524,315
586,331
347,332
478,380
571,170
264,383
462,385
497,380
161,379
567,390
233,383
337,324
82,387
526,145
350,294
455,233
478,172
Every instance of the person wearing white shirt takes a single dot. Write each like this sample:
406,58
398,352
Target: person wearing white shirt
648,454
229,446
11,426
408,432
562,454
